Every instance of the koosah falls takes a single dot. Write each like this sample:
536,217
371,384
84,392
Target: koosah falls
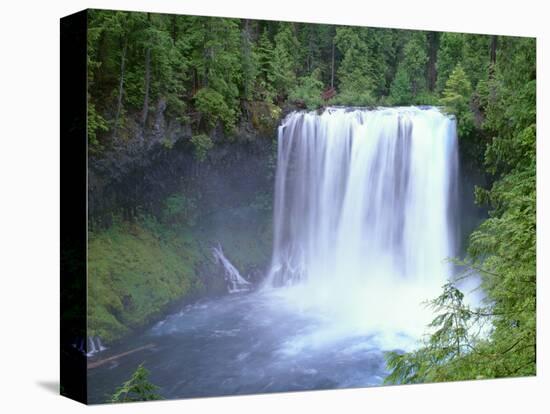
364,205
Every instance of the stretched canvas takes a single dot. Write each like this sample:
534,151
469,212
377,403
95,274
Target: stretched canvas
256,206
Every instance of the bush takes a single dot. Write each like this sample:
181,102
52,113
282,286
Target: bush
180,209
401,91
202,143
456,100
355,91
137,388
95,123
308,90
265,116
214,109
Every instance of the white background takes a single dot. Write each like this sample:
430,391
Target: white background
29,204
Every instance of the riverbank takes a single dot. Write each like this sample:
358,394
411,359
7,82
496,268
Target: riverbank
135,273
138,270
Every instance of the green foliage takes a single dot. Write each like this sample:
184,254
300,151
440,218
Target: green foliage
265,117
263,50
410,79
450,53
355,70
249,63
135,270
401,90
284,60
202,143
503,248
213,67
414,61
451,340
214,109
457,91
356,93
505,244
95,123
137,388
456,100
476,57
216,54
308,90
247,234
180,209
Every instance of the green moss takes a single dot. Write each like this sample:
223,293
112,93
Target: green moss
265,116
246,237
134,273
202,144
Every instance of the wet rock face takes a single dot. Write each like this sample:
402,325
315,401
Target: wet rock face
144,164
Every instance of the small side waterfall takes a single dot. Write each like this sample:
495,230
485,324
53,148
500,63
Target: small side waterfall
94,346
235,282
362,223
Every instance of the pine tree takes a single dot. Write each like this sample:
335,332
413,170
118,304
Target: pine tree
356,87
137,388
263,51
284,64
456,100
449,55
410,80
503,248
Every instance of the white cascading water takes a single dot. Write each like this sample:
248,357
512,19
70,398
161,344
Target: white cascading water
94,346
363,216
235,282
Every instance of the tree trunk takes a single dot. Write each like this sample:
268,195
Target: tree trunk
494,45
145,112
332,66
147,82
246,52
433,46
174,31
120,85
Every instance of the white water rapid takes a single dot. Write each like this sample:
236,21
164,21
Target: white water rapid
363,217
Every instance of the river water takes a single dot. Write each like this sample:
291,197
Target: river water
244,343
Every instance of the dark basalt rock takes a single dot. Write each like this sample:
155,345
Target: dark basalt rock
145,164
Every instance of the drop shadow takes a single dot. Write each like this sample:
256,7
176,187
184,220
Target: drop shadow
51,386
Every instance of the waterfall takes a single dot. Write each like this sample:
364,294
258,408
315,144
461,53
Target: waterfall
100,346
94,346
236,283
363,219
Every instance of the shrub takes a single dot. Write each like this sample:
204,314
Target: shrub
308,90
213,108
180,209
456,100
202,143
137,388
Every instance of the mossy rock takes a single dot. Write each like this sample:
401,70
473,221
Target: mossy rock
133,276
264,116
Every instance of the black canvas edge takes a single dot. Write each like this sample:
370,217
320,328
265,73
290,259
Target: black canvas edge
73,206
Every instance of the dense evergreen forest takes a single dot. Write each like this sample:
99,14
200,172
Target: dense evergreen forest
197,86
209,70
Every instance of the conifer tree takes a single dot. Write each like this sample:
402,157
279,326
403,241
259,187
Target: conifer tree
137,388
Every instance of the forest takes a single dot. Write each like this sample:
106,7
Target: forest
180,107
